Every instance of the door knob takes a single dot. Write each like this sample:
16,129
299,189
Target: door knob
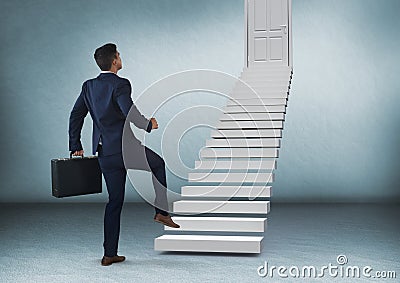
284,28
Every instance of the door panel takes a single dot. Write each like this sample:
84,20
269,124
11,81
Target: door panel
276,48
260,20
260,49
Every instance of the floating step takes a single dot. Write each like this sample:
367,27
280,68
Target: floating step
208,243
248,78
231,177
262,70
258,101
261,89
254,108
254,81
261,84
257,81
277,76
215,206
262,80
253,117
226,191
224,125
239,152
268,74
264,65
226,224
259,95
258,92
269,133
265,142
234,164
267,66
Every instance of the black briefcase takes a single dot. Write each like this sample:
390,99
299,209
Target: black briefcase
75,176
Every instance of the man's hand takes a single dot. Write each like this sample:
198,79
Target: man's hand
78,153
154,123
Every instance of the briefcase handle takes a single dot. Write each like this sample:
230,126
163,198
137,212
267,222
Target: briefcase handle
70,155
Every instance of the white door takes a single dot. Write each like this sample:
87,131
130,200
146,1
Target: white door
268,31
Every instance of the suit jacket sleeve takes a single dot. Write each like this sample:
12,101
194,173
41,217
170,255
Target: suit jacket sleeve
77,116
125,103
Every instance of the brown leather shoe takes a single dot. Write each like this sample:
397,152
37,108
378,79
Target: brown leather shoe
166,220
110,260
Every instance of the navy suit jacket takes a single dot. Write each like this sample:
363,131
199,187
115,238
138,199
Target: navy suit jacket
108,100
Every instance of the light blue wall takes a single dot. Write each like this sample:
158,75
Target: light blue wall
342,134
341,138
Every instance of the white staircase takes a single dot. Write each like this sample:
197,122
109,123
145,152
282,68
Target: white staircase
240,157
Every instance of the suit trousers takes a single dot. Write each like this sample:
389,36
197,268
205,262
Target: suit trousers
114,172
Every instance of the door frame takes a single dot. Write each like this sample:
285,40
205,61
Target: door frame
246,35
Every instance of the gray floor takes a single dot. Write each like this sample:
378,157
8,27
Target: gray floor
63,243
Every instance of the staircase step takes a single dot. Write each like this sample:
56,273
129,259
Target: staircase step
277,76
231,177
224,125
266,73
226,191
258,101
261,89
265,142
266,70
255,108
227,224
262,164
267,66
263,80
249,79
214,206
208,243
269,133
261,85
252,117
238,152
259,95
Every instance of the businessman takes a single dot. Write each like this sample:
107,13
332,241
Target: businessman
108,100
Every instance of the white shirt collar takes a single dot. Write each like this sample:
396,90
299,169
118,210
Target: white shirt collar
105,72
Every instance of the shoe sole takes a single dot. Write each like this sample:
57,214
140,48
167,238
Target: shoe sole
108,264
165,224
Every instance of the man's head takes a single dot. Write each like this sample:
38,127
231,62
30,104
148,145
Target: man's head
107,58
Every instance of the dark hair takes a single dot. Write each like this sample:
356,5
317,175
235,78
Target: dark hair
105,55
